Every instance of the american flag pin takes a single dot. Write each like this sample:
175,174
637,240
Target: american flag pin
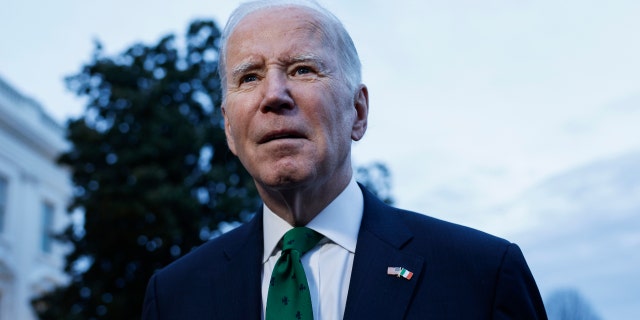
399,272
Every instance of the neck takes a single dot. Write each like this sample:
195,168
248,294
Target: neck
299,205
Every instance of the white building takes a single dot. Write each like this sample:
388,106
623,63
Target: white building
34,193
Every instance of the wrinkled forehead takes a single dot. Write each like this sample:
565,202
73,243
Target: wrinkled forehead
290,20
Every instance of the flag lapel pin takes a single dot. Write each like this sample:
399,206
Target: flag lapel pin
399,272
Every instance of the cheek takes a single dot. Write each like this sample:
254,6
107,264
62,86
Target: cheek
342,117
337,123
237,129
233,130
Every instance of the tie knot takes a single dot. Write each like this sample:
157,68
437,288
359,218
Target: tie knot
301,239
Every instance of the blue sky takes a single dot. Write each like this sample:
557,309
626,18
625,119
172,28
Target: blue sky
476,106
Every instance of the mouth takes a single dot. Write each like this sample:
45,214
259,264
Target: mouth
280,135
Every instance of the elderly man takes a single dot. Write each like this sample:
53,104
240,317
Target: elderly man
322,246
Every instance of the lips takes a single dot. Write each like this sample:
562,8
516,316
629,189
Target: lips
281,134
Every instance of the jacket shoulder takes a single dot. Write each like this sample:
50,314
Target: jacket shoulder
434,229
210,255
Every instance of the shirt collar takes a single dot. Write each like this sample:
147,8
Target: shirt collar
339,221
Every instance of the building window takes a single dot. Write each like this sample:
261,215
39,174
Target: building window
47,223
4,190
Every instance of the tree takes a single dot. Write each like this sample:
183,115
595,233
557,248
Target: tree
568,304
151,172
376,177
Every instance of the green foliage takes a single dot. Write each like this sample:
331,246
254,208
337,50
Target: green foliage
151,170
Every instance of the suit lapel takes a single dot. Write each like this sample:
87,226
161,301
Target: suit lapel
373,294
242,277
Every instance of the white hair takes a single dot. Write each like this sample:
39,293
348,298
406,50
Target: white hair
348,60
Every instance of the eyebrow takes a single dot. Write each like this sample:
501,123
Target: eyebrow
309,57
242,68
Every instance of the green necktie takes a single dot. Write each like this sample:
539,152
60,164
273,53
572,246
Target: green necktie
288,296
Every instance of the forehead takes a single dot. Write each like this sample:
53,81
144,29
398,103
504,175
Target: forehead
277,27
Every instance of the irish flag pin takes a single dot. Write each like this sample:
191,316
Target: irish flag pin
399,272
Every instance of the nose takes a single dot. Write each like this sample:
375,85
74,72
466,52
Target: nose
277,95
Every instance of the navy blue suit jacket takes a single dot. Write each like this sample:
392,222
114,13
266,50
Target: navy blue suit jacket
458,273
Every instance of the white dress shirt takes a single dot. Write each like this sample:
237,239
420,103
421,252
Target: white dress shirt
328,265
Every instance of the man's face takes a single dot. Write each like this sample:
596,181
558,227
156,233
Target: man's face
289,116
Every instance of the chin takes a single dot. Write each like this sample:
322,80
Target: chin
285,179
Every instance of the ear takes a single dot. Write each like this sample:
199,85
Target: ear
361,105
227,130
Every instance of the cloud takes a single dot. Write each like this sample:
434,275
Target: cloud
583,230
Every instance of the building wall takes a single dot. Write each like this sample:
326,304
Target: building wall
30,142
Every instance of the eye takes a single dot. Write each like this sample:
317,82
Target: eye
303,70
248,78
